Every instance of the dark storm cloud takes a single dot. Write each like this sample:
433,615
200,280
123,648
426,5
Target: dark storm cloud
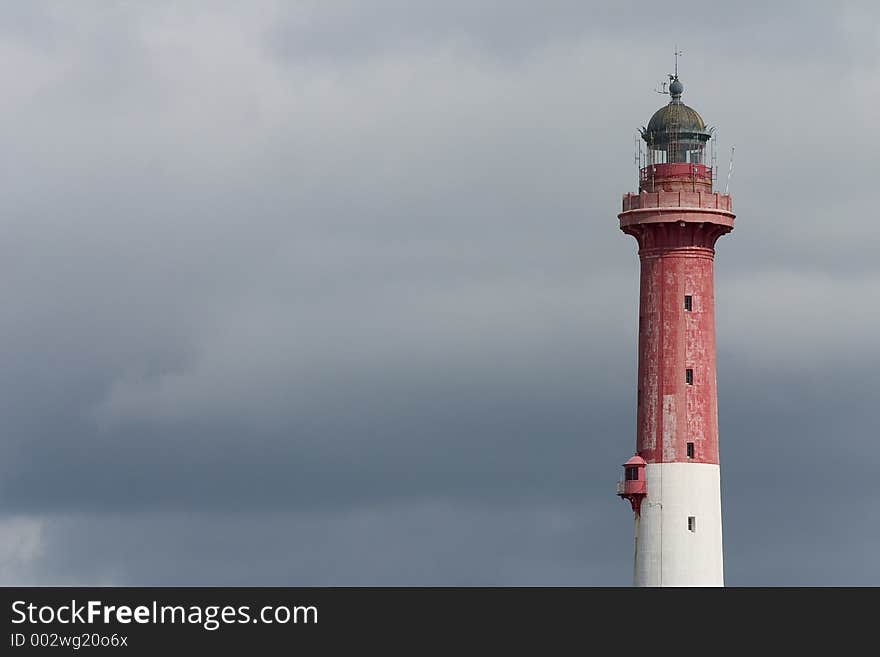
286,280
362,545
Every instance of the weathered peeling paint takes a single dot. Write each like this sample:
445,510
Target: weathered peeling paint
672,340
669,435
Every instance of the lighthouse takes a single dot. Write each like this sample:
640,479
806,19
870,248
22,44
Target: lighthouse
673,480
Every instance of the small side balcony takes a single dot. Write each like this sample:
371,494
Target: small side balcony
632,487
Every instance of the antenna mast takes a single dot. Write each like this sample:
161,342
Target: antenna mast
714,155
636,153
730,170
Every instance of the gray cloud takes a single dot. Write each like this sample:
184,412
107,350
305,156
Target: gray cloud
278,282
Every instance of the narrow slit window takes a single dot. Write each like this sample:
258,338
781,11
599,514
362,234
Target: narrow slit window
689,376
690,450
692,524
688,302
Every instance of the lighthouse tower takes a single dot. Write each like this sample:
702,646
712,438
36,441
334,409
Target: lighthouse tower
673,480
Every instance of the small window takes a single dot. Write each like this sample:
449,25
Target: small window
690,448
692,523
632,474
689,376
688,302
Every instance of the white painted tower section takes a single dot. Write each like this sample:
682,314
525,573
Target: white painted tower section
668,552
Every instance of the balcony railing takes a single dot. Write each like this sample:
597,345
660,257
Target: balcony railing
686,170
632,487
677,199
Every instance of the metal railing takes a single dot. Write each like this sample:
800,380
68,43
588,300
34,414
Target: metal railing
636,487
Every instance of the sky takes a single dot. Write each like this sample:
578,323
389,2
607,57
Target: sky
333,293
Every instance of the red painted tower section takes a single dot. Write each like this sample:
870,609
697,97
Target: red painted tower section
676,229
676,217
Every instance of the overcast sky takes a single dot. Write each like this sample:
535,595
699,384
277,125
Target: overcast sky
333,292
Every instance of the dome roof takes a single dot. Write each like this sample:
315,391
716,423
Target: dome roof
636,460
676,117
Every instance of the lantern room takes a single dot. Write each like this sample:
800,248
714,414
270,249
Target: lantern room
678,147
